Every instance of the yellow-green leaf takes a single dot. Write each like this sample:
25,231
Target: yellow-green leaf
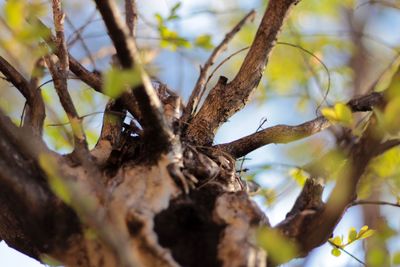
396,258
365,232
340,113
299,175
336,252
119,81
279,248
204,41
337,241
352,235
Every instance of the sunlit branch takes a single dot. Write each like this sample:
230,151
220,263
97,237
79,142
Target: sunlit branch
286,133
225,98
201,81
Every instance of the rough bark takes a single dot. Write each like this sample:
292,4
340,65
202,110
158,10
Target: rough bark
160,194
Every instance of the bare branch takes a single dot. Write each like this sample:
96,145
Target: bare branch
36,113
226,99
374,202
59,72
285,133
131,16
154,122
201,81
281,134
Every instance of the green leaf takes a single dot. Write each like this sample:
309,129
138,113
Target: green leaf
204,41
337,241
279,248
396,258
119,81
365,232
340,113
352,235
336,252
14,13
57,184
299,175
391,116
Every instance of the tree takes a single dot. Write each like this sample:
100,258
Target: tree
156,190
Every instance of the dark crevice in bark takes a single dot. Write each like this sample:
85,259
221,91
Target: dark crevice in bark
188,230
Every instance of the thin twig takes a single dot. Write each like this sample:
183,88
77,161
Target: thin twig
374,202
59,71
200,84
348,253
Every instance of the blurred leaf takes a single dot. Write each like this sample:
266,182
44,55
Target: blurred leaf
365,232
299,176
376,257
279,248
336,252
57,185
14,13
50,261
337,241
339,113
396,258
352,235
120,81
391,116
204,41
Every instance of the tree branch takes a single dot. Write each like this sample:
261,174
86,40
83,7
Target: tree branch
286,133
154,123
281,134
225,99
201,81
316,227
374,202
131,16
36,111
59,72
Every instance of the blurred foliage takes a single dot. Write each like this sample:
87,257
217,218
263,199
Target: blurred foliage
279,248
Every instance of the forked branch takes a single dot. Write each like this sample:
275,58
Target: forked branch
201,81
225,99
153,120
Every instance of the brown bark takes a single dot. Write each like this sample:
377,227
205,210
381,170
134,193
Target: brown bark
159,194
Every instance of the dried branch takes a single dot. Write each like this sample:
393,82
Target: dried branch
226,99
201,81
131,16
285,133
154,122
59,72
